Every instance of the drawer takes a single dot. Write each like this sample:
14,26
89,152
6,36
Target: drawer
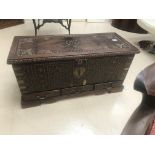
117,84
74,90
108,85
100,86
41,95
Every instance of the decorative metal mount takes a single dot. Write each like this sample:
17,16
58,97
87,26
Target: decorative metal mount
37,23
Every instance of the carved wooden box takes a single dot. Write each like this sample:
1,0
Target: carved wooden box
51,66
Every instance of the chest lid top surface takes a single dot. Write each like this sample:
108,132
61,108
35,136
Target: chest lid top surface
26,49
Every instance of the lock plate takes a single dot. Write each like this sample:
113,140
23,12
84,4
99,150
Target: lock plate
80,66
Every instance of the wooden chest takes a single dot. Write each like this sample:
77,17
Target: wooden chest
51,66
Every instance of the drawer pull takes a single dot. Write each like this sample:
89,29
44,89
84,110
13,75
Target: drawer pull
41,97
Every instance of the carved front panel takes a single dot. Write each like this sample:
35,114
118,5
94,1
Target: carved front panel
72,73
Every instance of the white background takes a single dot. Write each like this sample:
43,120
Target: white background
77,145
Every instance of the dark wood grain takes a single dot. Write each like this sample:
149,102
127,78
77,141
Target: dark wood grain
45,48
53,66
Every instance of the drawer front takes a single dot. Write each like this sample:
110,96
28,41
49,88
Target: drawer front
41,95
79,89
108,85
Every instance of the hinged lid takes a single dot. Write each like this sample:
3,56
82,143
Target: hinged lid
27,49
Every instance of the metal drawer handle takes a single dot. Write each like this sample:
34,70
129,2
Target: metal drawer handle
41,97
